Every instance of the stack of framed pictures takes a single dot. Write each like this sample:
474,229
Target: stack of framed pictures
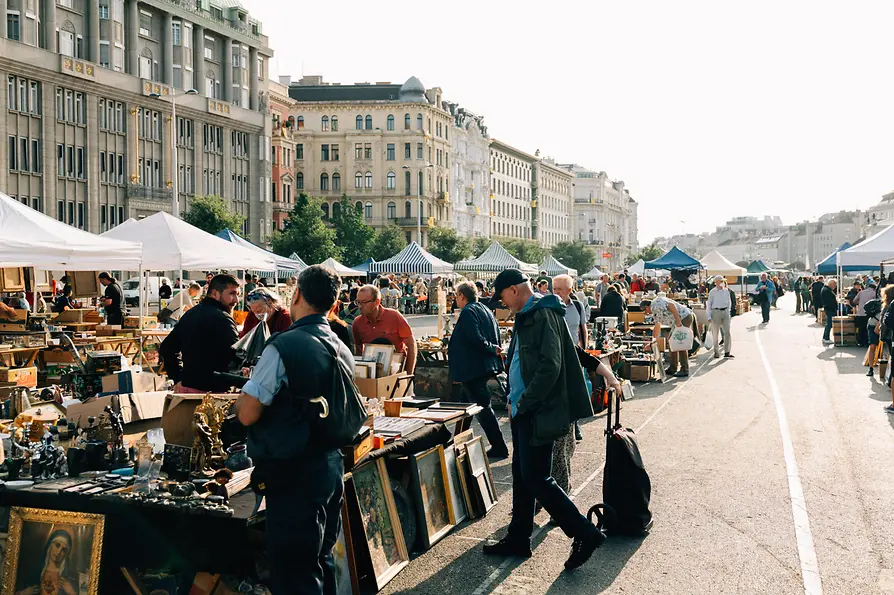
475,477
430,482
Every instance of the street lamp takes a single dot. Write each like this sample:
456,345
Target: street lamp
419,206
175,174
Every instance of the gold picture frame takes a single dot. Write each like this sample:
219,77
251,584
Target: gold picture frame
53,545
431,485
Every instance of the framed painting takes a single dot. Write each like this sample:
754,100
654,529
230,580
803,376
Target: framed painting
343,554
479,468
12,279
465,484
431,484
381,525
456,498
382,355
84,283
53,551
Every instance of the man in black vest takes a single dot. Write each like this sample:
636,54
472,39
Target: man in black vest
302,482
113,299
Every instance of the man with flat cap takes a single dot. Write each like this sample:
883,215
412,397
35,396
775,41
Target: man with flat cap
547,393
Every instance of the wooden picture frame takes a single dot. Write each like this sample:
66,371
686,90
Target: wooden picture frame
84,284
12,279
382,355
384,545
434,507
40,539
41,281
482,477
460,512
465,484
343,555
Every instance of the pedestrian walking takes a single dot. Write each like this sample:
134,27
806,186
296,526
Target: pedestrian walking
816,295
302,480
547,392
475,352
668,312
576,321
719,310
829,302
860,300
886,335
806,300
766,291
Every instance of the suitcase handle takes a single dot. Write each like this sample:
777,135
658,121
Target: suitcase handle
614,401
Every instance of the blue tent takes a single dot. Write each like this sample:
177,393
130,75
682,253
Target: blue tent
286,267
829,266
674,260
364,266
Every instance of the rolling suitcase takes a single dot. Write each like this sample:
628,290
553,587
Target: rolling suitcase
626,488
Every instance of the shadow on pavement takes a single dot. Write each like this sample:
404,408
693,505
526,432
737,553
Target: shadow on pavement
600,572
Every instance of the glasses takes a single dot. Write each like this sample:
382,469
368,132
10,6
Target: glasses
364,302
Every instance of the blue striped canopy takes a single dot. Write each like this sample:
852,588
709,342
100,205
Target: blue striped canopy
412,260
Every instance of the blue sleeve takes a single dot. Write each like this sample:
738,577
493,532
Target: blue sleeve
268,376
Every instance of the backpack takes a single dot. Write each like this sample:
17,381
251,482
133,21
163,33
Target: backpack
872,307
343,412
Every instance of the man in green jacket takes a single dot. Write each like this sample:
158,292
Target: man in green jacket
547,393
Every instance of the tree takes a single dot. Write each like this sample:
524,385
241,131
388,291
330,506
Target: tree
212,214
306,234
650,252
447,245
576,255
525,250
479,245
352,233
389,241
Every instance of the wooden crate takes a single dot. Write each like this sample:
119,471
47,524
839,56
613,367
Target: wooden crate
20,376
640,372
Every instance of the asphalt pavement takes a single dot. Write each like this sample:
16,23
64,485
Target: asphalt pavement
768,476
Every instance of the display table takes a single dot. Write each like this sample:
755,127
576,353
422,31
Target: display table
20,357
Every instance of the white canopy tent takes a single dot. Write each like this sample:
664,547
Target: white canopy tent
638,267
716,263
171,244
31,239
868,254
340,269
285,267
593,273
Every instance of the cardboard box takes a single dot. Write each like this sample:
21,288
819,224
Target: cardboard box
76,315
58,356
149,322
20,376
640,372
636,317
131,381
134,407
16,316
108,330
379,388
177,417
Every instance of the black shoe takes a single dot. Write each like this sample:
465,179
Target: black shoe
729,355
577,435
508,547
681,375
584,546
870,373
670,372
497,453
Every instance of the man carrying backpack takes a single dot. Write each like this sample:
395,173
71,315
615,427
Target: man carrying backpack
297,468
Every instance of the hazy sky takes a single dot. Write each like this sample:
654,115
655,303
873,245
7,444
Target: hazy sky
706,110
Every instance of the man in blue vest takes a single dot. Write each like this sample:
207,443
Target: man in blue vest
303,483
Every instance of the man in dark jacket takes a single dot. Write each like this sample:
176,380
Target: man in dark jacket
829,301
475,358
816,294
202,342
303,481
547,392
112,299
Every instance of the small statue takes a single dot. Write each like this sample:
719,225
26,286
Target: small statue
202,444
117,422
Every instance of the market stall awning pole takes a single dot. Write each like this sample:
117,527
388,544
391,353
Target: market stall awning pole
140,327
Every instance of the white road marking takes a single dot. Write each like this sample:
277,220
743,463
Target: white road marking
493,576
813,584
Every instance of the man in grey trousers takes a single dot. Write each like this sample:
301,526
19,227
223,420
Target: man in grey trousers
719,309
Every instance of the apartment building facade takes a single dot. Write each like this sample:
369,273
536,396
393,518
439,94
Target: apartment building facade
284,143
470,174
552,202
512,175
89,104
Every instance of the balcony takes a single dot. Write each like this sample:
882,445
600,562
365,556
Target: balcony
190,6
408,221
146,192
443,196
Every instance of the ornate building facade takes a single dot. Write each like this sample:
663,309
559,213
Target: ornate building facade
470,174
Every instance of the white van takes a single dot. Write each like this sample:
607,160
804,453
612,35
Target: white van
131,289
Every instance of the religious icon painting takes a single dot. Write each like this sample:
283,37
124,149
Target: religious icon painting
53,551
431,484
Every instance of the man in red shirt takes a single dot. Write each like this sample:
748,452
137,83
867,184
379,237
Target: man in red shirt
636,284
377,322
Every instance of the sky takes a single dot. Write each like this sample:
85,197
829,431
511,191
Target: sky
706,110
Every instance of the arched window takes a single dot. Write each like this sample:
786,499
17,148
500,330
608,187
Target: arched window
358,180
407,121
419,121
408,209
369,122
334,123
325,124
391,181
358,123
369,179
368,210
324,181
407,191
358,206
66,37
336,210
336,181
299,181
325,207
392,210
300,122
391,122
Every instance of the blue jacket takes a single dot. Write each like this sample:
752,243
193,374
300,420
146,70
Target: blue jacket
473,344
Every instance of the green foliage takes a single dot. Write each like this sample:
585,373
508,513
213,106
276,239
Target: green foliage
479,245
447,245
306,234
352,234
212,214
650,252
389,241
528,251
576,255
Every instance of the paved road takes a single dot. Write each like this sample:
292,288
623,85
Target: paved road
723,486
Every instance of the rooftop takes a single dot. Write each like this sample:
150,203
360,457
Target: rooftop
313,88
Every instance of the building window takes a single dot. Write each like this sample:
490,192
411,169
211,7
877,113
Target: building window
391,180
299,181
145,23
392,210
146,64
104,9
358,151
324,152
369,122
419,121
336,210
66,40
300,122
336,181
334,123
418,150
35,155
299,151
12,153
390,122
390,152
407,121
324,181
369,179
12,26
325,207
105,55
408,207
176,33
367,151
368,210
334,152
325,124
407,191
358,123
407,150
358,179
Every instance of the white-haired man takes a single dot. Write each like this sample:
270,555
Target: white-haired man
719,311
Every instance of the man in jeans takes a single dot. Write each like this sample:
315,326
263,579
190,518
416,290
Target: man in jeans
475,358
547,393
829,303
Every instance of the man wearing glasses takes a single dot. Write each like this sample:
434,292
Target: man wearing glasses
378,322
